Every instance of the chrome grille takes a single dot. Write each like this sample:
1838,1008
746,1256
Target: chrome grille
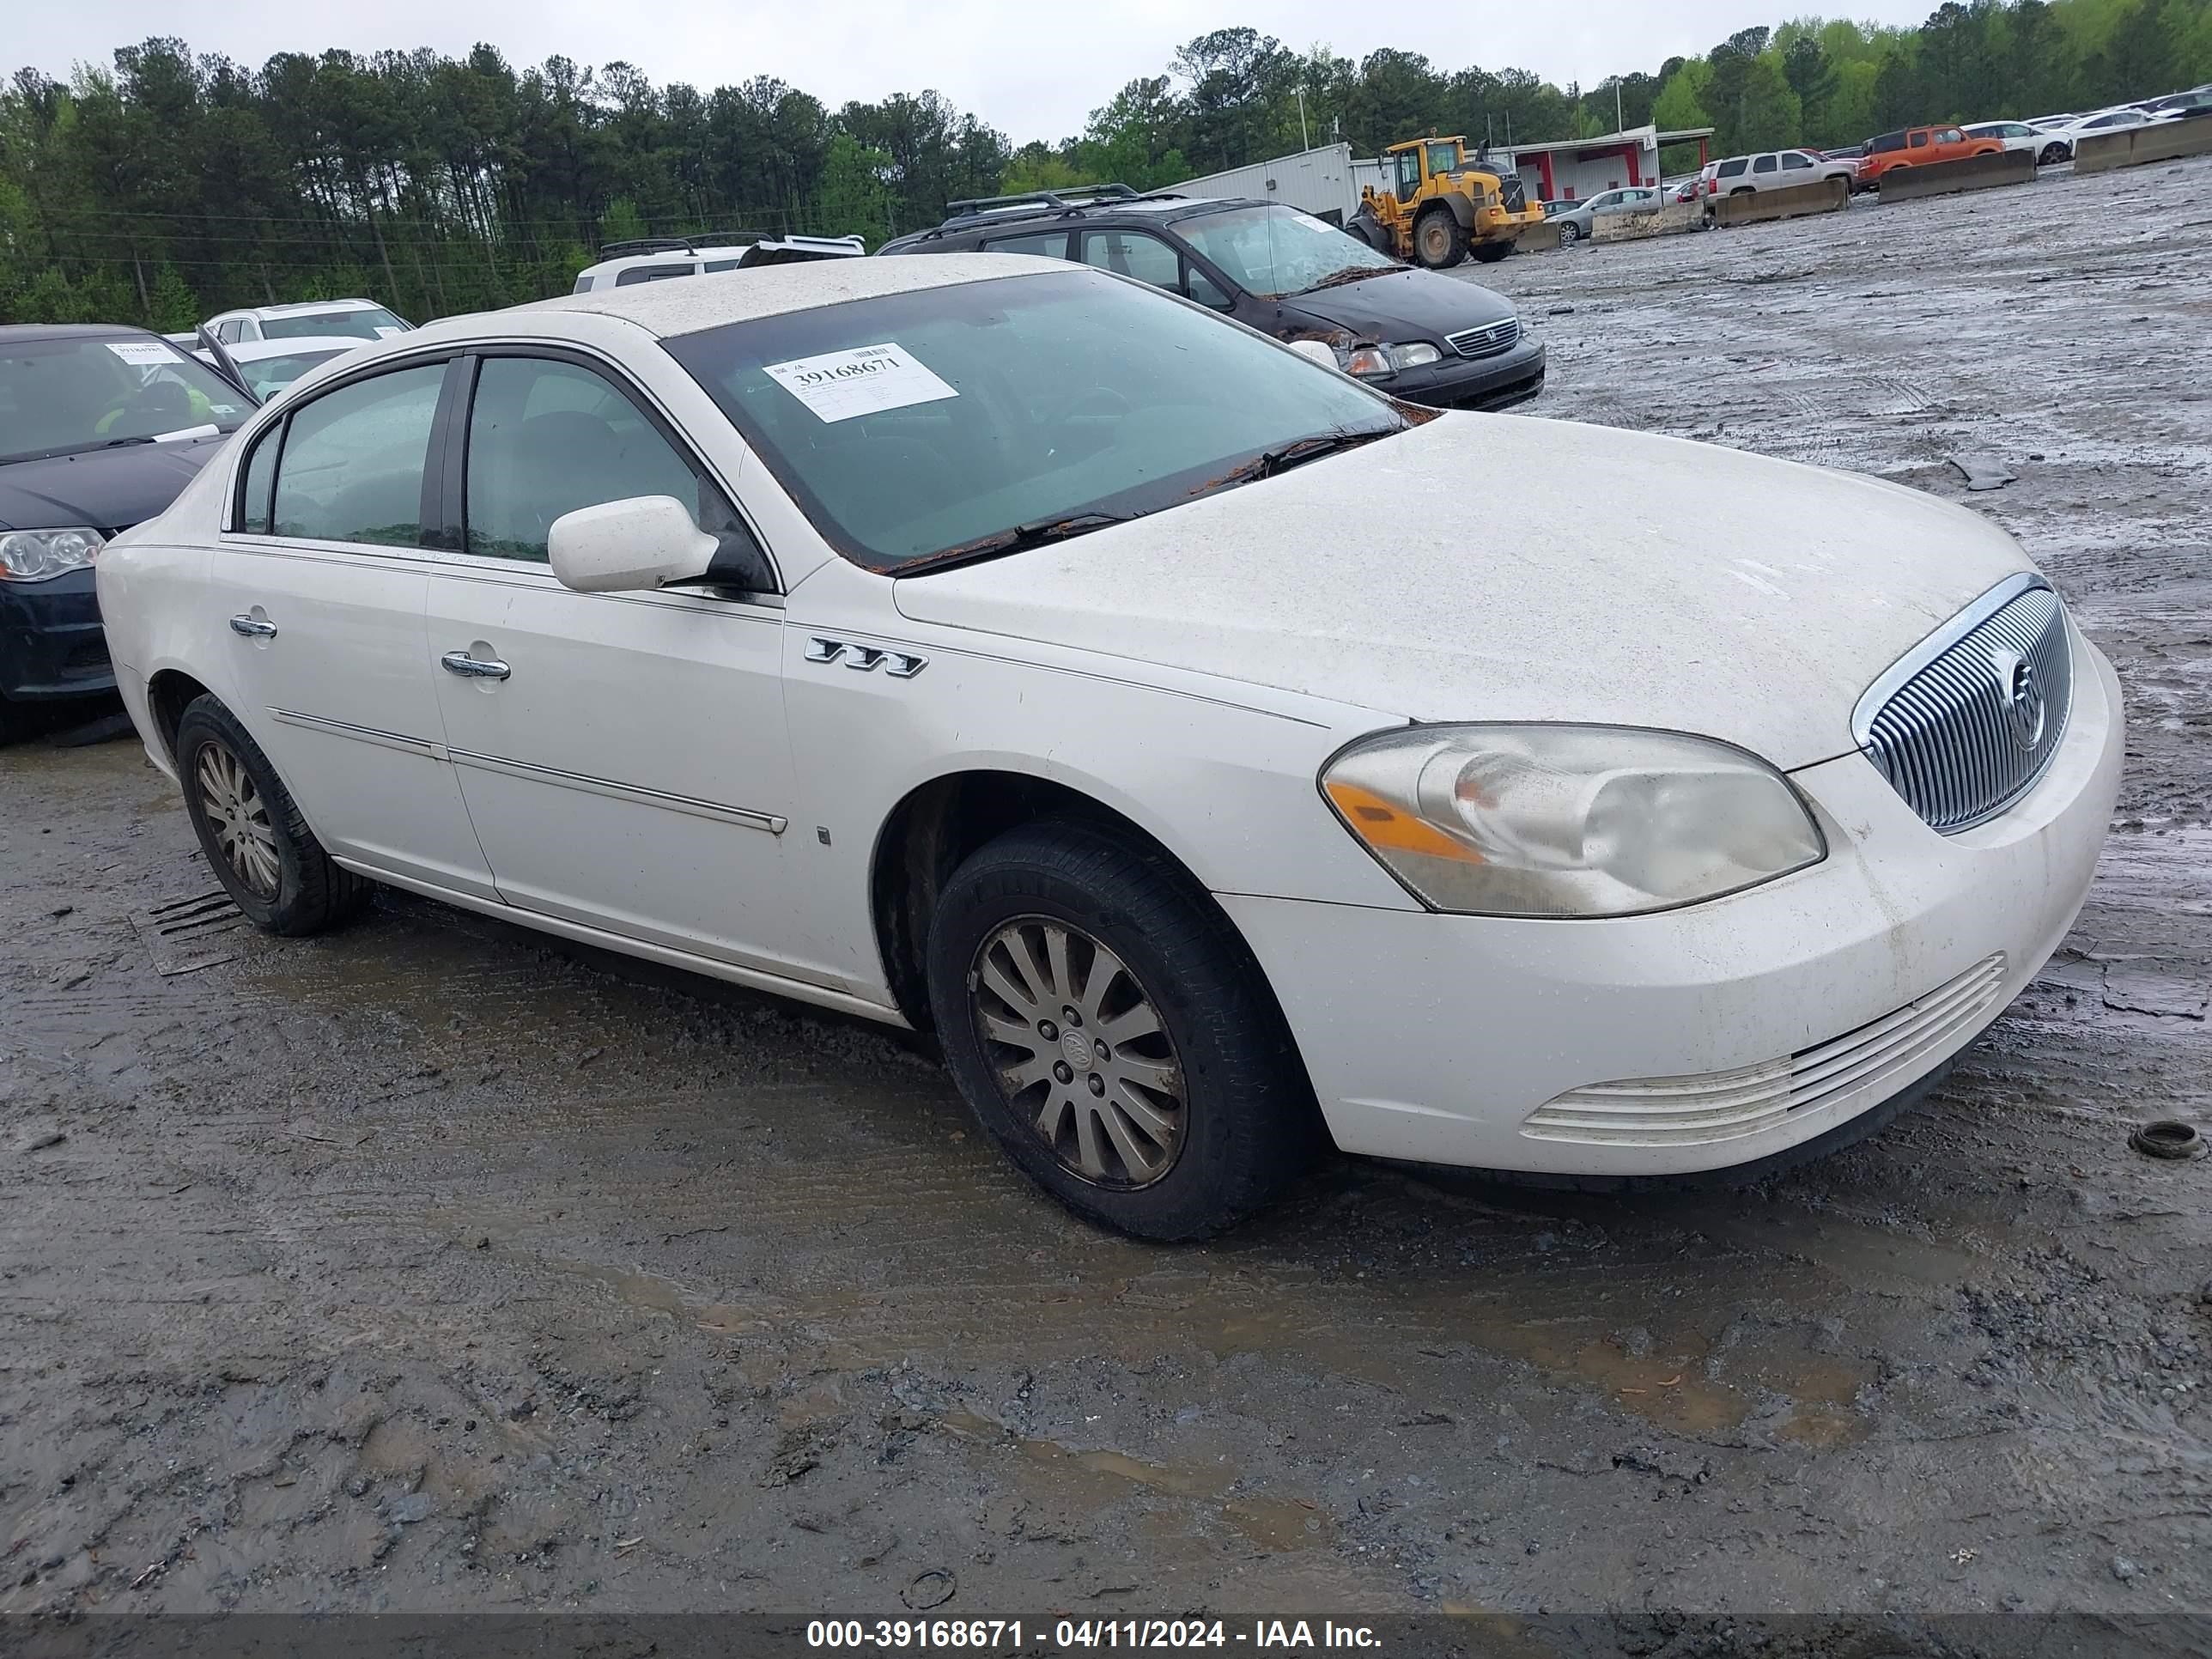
1871,1063
1966,722
1486,342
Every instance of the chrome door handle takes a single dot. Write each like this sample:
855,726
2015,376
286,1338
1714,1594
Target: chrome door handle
252,628
473,668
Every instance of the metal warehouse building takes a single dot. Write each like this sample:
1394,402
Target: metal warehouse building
1572,168
1326,181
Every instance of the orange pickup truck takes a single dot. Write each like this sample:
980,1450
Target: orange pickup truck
1916,147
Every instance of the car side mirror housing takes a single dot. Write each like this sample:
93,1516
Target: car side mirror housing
1318,350
628,546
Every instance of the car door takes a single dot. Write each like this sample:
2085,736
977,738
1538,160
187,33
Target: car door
1766,171
624,756
321,576
1153,259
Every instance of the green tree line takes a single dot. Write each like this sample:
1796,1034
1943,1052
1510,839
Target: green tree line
169,185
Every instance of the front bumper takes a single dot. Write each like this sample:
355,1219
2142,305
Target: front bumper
1453,382
1435,1038
51,642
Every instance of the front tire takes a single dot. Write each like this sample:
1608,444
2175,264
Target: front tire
1439,239
1111,1031
252,831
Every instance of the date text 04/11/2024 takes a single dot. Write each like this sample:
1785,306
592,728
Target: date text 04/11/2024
1074,1634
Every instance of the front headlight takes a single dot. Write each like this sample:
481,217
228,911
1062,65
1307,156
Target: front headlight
1372,362
1568,820
33,555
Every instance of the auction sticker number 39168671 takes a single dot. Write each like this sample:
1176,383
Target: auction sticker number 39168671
837,386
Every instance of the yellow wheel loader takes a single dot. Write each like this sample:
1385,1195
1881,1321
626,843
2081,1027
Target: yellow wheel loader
1440,206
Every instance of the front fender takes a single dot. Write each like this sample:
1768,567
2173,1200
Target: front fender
1224,776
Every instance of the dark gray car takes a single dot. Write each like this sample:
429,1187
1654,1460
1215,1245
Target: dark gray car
99,428
1420,335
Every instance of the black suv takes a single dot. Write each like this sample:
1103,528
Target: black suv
1418,334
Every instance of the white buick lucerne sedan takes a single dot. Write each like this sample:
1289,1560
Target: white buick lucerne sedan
1018,652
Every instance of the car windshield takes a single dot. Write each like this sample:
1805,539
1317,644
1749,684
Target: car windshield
365,322
953,422
59,396
1274,250
270,375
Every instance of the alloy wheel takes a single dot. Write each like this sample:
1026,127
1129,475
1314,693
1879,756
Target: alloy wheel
1079,1052
239,818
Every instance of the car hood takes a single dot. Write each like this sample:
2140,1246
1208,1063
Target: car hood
1398,306
1690,587
109,489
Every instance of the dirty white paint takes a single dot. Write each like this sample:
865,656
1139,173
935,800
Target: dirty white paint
1703,589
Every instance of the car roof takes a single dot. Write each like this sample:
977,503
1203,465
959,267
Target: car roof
250,351
1158,209
25,332
666,310
685,253
293,306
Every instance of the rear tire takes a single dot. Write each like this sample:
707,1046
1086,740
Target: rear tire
1186,1107
1439,240
1569,232
252,833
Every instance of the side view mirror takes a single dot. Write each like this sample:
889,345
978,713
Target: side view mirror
623,547
1318,350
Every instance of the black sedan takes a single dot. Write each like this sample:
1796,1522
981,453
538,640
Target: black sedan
99,428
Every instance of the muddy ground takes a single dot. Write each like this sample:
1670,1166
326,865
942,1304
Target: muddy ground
435,1266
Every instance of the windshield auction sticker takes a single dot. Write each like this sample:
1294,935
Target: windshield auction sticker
864,380
146,353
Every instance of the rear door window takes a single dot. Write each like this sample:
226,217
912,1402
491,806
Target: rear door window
1918,140
1133,253
1045,244
1766,164
637,274
353,459
260,473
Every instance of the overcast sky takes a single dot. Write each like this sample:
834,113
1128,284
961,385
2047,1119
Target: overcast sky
1034,69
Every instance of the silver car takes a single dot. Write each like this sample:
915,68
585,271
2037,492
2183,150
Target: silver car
1578,219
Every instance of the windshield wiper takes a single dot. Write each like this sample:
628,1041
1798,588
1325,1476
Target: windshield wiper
125,443
1349,274
1019,539
1296,452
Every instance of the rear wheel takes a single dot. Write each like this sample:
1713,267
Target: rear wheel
1111,1032
1440,242
1569,232
259,846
